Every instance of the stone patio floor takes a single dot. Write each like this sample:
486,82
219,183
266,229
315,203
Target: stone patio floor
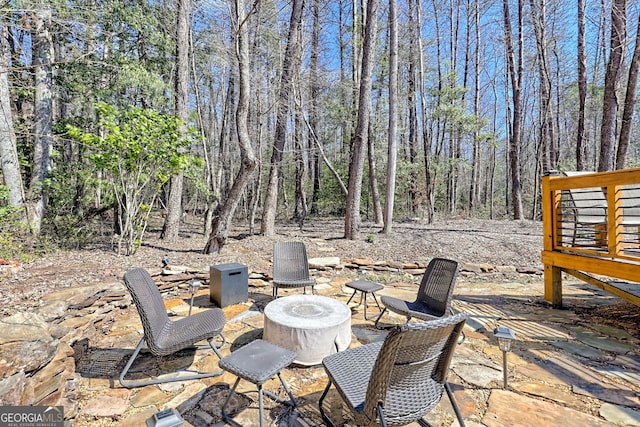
562,371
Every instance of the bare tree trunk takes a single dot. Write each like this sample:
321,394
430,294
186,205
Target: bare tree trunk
174,202
547,145
222,221
371,150
315,105
629,104
356,166
346,123
8,143
515,73
611,81
392,149
426,140
291,55
326,160
373,175
474,190
43,140
582,89
454,135
412,106
301,209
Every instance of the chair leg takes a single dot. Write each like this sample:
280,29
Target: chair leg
328,421
132,384
363,300
288,390
224,405
447,387
380,317
261,393
383,420
261,405
377,303
351,297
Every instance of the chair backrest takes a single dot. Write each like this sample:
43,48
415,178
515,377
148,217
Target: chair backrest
290,263
411,369
149,303
436,288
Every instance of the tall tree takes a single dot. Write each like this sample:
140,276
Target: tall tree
515,71
290,59
545,133
8,143
376,206
474,187
412,107
174,201
426,138
352,220
611,82
629,104
582,89
224,214
43,106
314,107
301,209
392,146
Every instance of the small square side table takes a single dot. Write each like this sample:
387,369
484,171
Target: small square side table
258,362
365,287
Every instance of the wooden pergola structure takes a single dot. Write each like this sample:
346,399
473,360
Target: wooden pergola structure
591,227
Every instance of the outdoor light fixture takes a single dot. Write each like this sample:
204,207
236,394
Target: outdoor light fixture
505,337
165,418
193,287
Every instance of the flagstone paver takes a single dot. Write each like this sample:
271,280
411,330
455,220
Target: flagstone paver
620,415
561,371
515,410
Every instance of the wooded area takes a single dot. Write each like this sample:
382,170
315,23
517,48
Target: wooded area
263,111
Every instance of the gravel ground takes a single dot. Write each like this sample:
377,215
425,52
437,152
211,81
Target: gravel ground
499,243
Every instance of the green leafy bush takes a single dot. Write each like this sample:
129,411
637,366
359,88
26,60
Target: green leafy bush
12,232
137,150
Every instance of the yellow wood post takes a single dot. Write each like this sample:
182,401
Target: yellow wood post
550,218
614,219
553,285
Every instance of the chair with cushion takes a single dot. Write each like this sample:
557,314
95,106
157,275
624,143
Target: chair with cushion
164,336
434,294
400,380
291,267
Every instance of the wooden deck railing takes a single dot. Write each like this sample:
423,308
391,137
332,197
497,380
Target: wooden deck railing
591,226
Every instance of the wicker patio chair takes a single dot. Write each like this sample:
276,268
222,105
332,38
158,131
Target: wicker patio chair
164,336
434,294
397,381
291,267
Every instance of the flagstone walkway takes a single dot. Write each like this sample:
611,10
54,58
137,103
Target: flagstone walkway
562,371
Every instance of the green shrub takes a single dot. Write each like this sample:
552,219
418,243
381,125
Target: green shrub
12,232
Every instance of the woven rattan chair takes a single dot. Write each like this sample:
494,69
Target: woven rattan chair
400,380
164,336
291,267
434,294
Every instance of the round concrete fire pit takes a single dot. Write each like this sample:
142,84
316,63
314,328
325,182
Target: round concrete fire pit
314,326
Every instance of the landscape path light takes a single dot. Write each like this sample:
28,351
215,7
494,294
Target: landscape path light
505,337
